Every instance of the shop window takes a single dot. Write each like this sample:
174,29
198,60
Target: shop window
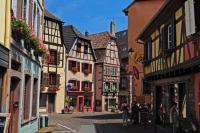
43,100
72,101
87,101
35,97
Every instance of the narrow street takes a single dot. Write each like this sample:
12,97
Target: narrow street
94,123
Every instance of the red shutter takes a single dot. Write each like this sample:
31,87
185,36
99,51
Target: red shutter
70,65
78,66
78,84
90,67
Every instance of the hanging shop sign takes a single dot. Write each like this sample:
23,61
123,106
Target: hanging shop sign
4,122
136,57
135,72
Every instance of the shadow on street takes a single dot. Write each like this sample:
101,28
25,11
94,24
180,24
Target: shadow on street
101,117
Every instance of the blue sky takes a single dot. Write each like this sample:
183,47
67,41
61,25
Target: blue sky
90,15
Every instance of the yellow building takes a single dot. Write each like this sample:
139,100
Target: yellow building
172,57
4,50
52,95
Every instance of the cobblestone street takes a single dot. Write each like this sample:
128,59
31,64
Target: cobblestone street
93,123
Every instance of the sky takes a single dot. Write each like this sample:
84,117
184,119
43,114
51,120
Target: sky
90,15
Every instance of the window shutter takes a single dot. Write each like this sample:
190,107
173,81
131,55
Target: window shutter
90,67
70,65
58,58
78,66
78,84
197,14
189,17
58,80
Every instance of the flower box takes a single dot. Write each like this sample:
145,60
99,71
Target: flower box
86,89
74,69
75,88
86,71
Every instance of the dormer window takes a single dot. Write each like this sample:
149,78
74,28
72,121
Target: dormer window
85,49
78,47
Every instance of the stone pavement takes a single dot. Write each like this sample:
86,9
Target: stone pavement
95,123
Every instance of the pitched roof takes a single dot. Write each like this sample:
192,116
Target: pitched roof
122,42
100,40
70,34
50,15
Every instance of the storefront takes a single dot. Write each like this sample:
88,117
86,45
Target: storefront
81,102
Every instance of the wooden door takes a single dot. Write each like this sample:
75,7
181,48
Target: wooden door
51,103
14,104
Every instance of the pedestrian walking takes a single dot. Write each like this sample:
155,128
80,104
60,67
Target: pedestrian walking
174,119
134,113
124,108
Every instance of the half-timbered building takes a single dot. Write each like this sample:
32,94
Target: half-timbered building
172,57
107,70
53,76
79,70
25,65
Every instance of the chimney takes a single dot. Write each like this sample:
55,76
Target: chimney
86,33
112,28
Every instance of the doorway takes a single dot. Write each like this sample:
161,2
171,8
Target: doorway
14,104
51,102
80,105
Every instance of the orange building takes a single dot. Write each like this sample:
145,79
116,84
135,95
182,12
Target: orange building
146,9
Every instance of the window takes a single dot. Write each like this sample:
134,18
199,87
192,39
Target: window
85,49
114,87
124,82
86,68
78,47
75,85
34,16
107,87
87,101
197,15
26,104
169,36
74,66
52,79
24,11
86,86
148,50
112,54
43,100
35,96
53,57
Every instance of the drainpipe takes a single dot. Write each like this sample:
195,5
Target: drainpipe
7,24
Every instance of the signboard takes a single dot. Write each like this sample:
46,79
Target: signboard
4,122
136,57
